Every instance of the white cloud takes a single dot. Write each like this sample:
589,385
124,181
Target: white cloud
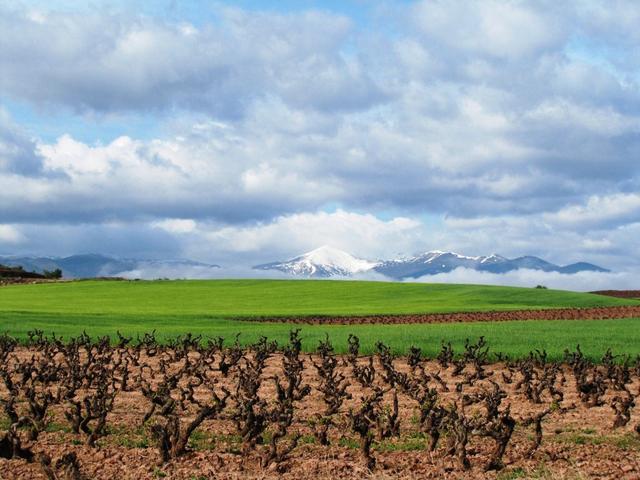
601,121
109,62
599,210
149,272
10,234
176,225
499,29
581,281
360,234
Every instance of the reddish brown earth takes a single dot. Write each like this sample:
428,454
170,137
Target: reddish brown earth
619,293
597,313
578,443
23,281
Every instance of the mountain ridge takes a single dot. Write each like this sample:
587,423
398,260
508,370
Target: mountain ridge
91,265
427,263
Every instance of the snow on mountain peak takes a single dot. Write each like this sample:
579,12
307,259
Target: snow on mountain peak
432,255
494,257
327,256
324,261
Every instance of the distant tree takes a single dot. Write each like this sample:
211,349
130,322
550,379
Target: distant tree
57,273
541,287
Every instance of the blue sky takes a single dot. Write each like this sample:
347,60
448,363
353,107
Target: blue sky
242,132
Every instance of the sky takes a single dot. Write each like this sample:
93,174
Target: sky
250,131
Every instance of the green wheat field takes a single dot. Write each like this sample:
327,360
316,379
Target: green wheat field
213,308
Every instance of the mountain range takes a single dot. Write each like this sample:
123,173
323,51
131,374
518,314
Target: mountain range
323,262
95,265
327,262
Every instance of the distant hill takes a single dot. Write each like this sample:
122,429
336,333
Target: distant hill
95,265
17,272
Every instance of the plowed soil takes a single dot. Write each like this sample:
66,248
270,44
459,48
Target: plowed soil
578,443
619,293
598,313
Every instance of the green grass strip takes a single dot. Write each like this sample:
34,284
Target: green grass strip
514,338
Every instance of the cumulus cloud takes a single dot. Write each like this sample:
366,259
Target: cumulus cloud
498,29
264,167
10,235
109,62
361,234
600,210
188,176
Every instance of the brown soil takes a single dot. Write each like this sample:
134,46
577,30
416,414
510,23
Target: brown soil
619,293
23,281
578,443
597,313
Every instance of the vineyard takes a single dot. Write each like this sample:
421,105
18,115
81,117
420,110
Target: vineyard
127,407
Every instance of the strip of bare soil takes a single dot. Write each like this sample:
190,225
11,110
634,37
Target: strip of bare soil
619,293
597,313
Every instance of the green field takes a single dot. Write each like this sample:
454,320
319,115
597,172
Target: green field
210,308
232,298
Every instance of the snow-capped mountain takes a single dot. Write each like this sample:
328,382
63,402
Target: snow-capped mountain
329,262
321,262
432,263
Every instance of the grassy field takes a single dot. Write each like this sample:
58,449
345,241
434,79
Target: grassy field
516,338
208,308
233,298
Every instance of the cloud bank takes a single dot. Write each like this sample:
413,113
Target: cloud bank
581,281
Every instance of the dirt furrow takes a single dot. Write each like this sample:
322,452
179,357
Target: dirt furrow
597,313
